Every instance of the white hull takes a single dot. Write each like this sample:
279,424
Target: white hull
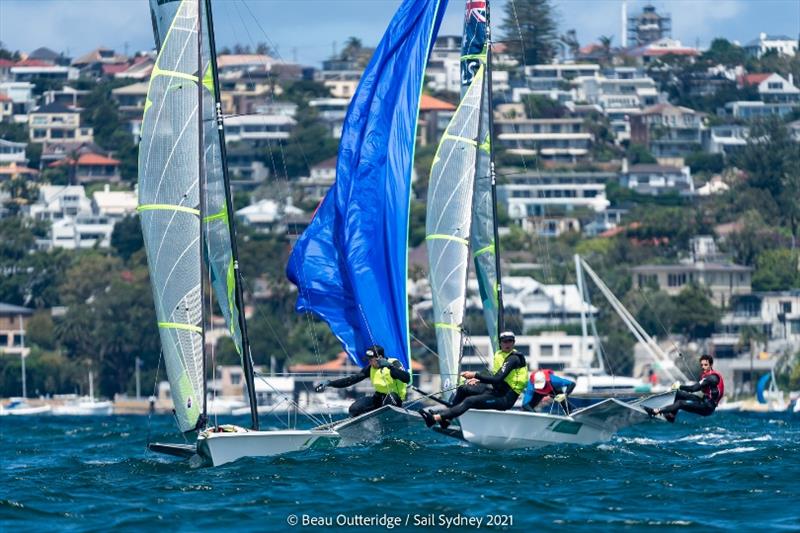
85,408
221,448
375,425
502,430
26,411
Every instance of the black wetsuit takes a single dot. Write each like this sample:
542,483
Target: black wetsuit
370,403
491,393
692,403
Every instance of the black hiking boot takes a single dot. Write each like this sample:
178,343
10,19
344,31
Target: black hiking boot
670,417
649,410
443,422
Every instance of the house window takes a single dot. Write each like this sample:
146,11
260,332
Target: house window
524,349
236,379
786,307
775,85
17,341
3,339
565,350
546,350
676,280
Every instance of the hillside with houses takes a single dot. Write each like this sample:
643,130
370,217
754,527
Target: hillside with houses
674,171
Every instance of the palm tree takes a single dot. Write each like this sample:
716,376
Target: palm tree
605,43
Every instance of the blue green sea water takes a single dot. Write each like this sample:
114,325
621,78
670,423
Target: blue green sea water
724,473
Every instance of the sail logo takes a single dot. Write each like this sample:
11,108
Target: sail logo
476,9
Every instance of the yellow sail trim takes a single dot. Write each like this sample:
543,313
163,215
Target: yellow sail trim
471,142
178,325
158,71
440,236
444,325
484,250
168,207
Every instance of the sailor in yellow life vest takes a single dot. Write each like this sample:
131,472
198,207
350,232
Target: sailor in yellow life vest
387,376
498,390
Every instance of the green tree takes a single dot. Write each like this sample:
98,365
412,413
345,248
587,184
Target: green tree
40,330
537,106
695,315
127,237
529,29
638,154
772,161
705,162
777,270
723,52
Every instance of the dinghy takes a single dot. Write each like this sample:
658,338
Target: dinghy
185,209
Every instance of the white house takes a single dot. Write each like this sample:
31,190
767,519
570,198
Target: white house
268,215
553,193
12,153
114,205
657,179
782,44
258,128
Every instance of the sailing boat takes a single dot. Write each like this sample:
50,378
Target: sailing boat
184,205
461,215
350,265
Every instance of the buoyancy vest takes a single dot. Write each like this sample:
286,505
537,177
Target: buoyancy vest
517,379
547,390
384,383
707,389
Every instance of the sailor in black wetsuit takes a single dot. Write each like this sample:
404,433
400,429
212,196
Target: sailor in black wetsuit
387,376
487,391
712,386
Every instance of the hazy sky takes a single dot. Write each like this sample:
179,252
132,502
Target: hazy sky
305,30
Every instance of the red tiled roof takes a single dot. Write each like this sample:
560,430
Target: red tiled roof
89,159
429,103
5,63
115,68
4,97
753,79
32,63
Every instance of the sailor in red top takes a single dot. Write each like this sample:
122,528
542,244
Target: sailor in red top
711,385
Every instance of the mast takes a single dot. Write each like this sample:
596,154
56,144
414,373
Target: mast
247,361
500,311
201,187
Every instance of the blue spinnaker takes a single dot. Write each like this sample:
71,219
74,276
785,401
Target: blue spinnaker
350,264
761,387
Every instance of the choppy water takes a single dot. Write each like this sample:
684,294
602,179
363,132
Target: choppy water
724,472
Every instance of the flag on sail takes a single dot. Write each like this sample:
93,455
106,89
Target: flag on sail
350,265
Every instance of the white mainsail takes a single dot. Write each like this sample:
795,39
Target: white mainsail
447,226
169,207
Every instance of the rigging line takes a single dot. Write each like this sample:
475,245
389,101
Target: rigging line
290,401
284,176
547,269
478,352
647,302
155,397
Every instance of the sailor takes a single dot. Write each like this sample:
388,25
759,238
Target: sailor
484,391
387,376
544,383
711,385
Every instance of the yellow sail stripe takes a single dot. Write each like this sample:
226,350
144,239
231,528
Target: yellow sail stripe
481,56
157,71
445,325
484,250
438,236
222,215
178,325
471,142
168,207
